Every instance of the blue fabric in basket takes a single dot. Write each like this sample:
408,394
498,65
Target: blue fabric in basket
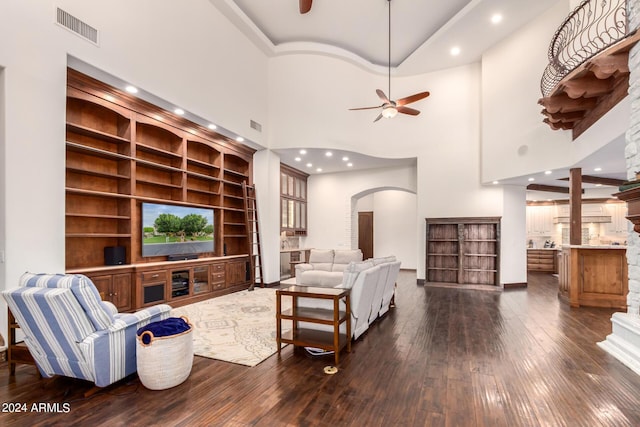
164,328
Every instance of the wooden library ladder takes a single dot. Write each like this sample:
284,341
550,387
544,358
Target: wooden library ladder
253,231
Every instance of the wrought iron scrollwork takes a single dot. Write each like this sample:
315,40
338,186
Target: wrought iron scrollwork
592,27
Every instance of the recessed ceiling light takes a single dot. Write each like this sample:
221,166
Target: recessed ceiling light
598,169
532,179
298,159
496,18
495,182
212,126
345,159
349,164
547,172
309,165
319,170
455,51
131,89
179,111
328,154
598,185
303,151
240,139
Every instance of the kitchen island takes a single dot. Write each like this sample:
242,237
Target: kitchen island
593,276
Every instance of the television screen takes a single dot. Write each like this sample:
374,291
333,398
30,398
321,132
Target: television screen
176,230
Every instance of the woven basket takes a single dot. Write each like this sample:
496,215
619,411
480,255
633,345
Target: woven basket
166,361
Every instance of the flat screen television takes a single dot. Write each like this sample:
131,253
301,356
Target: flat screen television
176,230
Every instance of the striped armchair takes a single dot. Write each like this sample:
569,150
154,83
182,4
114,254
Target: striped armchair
70,331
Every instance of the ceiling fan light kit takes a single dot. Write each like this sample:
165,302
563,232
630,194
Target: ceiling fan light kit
390,108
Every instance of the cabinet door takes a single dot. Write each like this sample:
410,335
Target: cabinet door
200,279
115,289
121,291
103,284
236,273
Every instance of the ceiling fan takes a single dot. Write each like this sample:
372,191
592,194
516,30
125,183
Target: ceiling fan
389,107
305,5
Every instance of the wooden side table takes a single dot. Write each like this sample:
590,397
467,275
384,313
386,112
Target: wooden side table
16,352
300,336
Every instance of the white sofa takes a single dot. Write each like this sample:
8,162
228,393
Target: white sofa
372,284
325,266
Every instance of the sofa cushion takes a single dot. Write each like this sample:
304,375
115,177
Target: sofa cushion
321,259
342,258
382,260
323,279
352,271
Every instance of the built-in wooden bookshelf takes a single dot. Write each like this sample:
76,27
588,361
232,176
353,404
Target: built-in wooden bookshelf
121,152
463,250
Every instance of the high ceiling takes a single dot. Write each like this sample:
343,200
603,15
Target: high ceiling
423,32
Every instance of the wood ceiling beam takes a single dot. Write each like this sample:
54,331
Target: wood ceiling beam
548,188
590,179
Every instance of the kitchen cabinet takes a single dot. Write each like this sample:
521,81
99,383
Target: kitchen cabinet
619,222
540,220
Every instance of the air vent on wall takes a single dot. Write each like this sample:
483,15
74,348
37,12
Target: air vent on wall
77,26
255,125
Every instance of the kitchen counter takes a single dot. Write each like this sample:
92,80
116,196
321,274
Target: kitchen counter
596,246
543,260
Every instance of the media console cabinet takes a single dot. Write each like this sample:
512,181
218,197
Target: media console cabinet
122,152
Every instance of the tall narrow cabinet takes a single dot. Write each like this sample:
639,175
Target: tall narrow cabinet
463,250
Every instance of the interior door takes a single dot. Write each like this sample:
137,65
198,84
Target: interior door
365,234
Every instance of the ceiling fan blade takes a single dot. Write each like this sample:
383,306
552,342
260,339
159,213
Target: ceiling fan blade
412,98
378,118
365,108
407,110
382,96
305,5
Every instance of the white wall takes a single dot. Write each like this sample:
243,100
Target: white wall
394,224
515,141
266,176
513,232
3,224
333,202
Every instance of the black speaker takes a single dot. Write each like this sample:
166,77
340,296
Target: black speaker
114,255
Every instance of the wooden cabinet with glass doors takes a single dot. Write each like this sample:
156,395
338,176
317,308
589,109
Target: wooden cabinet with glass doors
293,201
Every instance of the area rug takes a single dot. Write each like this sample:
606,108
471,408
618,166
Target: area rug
238,328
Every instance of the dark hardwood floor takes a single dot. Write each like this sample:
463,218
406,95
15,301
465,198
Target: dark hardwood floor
443,357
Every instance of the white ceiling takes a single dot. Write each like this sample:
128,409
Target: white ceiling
422,35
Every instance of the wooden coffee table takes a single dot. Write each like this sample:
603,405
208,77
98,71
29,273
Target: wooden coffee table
307,337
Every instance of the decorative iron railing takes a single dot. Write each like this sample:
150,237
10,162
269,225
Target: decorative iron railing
592,27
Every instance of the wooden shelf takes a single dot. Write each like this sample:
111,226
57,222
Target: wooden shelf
97,193
96,151
83,130
84,215
463,250
155,150
201,163
98,235
96,173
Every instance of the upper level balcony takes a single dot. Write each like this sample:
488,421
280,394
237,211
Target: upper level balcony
588,71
